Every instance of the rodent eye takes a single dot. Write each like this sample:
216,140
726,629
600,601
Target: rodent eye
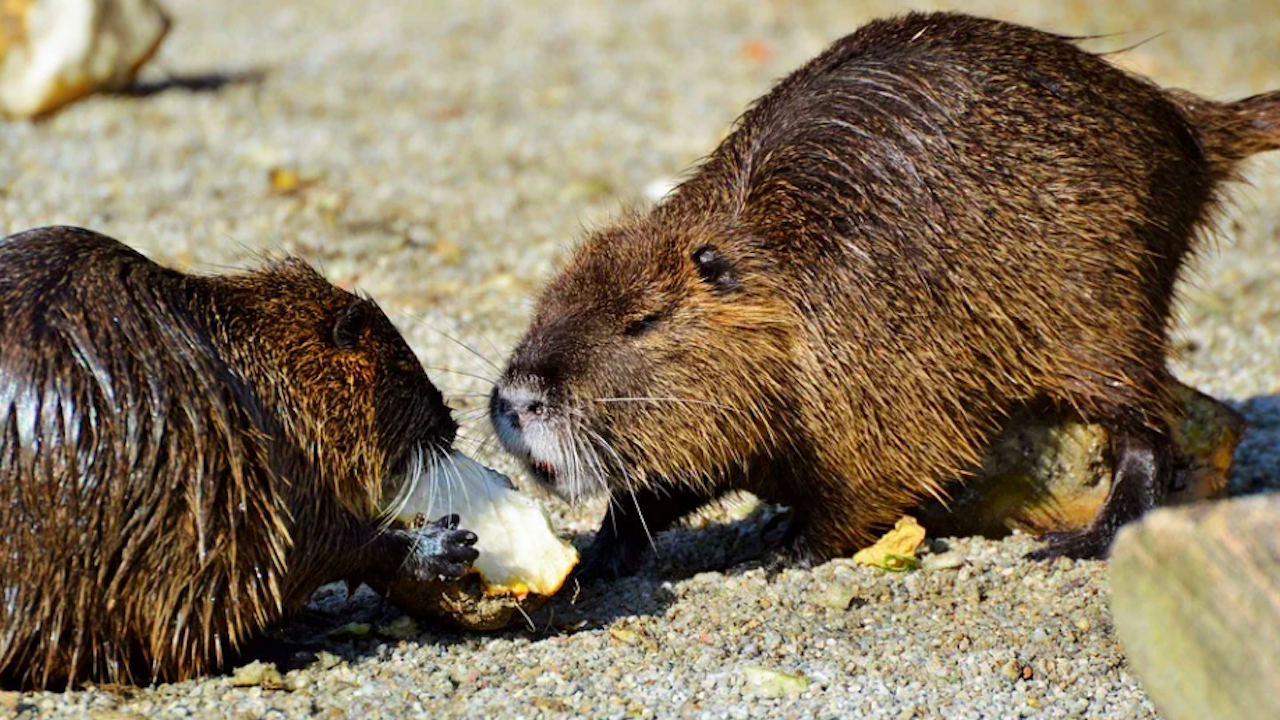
643,325
715,269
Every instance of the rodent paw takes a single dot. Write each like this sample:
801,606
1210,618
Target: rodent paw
795,553
441,550
1084,544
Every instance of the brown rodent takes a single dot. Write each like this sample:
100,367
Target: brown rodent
936,220
185,458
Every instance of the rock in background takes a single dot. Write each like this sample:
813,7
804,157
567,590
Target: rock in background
1195,594
53,52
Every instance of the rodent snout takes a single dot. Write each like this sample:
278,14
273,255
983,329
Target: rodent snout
511,409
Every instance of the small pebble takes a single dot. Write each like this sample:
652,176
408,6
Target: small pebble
837,597
772,683
257,673
944,561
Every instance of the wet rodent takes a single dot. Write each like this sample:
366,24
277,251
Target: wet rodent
938,219
185,458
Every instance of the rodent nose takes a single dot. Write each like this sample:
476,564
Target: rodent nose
503,411
513,406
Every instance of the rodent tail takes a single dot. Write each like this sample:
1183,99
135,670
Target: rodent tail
1235,130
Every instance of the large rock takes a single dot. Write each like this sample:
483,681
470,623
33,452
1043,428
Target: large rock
53,52
1195,595
1050,471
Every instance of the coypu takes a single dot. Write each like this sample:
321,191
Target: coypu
939,219
186,458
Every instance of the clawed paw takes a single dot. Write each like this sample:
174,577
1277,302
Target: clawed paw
1078,544
795,553
442,550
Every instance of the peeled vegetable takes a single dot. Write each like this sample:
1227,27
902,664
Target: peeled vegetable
522,562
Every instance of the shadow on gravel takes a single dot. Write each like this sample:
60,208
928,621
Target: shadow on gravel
1257,459
198,83
727,546
678,553
352,628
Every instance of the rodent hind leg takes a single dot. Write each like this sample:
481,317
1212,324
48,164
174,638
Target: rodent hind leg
1142,467
1122,384
630,523
819,534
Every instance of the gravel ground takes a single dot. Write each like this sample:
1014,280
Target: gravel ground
448,154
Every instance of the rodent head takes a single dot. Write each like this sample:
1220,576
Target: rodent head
661,351
347,387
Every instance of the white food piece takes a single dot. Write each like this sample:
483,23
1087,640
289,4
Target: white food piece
519,553
55,51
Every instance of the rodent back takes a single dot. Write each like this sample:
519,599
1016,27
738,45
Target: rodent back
137,486
934,174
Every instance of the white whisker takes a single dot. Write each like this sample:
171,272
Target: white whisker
457,477
450,371
625,474
435,479
689,401
465,346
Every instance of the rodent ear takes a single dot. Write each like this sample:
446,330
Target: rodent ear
715,269
352,323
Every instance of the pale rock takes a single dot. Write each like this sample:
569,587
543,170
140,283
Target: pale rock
53,52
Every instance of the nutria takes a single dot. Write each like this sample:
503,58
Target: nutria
938,219
186,458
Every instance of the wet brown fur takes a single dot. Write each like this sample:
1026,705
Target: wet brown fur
185,458
936,220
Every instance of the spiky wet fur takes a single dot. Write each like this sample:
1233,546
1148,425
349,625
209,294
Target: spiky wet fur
184,458
936,220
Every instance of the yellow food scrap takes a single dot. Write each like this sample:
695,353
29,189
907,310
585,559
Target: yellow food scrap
626,637
896,549
285,180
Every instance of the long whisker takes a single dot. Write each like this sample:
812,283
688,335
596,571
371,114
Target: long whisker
483,446
571,470
595,438
435,477
432,477
590,458
568,451
689,401
482,335
451,371
408,483
465,346
462,483
625,473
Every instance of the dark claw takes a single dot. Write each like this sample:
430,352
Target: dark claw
456,547
1085,544
448,522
